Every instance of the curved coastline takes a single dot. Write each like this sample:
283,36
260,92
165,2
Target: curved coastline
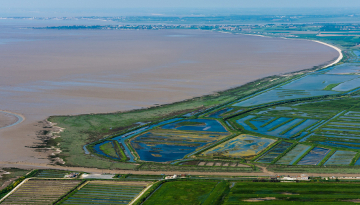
328,65
20,118
334,47
320,42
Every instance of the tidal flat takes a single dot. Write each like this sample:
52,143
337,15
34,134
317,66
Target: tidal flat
57,72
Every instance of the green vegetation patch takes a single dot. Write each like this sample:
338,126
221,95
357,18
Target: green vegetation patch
331,86
108,148
294,193
183,192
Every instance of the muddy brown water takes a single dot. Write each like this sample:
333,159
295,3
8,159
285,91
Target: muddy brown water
61,72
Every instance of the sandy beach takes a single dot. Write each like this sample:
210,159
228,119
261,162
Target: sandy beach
73,72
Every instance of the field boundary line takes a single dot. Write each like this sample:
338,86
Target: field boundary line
140,194
16,188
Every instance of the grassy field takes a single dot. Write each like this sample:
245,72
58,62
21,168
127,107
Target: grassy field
51,173
186,192
5,179
293,193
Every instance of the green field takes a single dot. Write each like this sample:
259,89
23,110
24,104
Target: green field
188,192
293,193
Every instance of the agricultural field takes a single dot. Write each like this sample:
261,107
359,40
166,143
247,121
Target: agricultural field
40,191
188,192
51,173
105,192
293,193
242,146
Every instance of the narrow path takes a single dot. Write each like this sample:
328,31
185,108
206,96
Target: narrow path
26,165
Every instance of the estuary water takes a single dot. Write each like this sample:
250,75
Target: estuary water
64,72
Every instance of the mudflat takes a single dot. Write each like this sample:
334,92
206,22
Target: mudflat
67,72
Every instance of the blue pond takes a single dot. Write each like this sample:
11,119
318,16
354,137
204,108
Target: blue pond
314,157
258,122
121,139
274,152
205,125
164,152
220,112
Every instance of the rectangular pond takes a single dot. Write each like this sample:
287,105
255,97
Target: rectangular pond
161,146
293,155
279,131
314,157
242,146
341,158
274,152
196,125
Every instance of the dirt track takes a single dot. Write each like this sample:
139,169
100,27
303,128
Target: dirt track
25,165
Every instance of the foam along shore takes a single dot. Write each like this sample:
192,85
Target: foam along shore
334,47
326,44
4,123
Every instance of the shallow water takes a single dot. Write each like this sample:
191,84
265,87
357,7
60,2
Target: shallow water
274,152
220,112
341,158
241,146
210,126
293,155
277,132
310,85
314,157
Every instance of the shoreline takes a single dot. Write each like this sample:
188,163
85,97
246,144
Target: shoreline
188,99
20,118
334,47
320,42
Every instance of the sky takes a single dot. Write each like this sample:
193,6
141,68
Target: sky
93,4
51,7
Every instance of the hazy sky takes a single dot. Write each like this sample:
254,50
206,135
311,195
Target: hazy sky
94,4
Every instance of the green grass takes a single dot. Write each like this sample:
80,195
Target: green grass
14,173
108,149
250,124
293,193
119,150
331,86
182,193
215,197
